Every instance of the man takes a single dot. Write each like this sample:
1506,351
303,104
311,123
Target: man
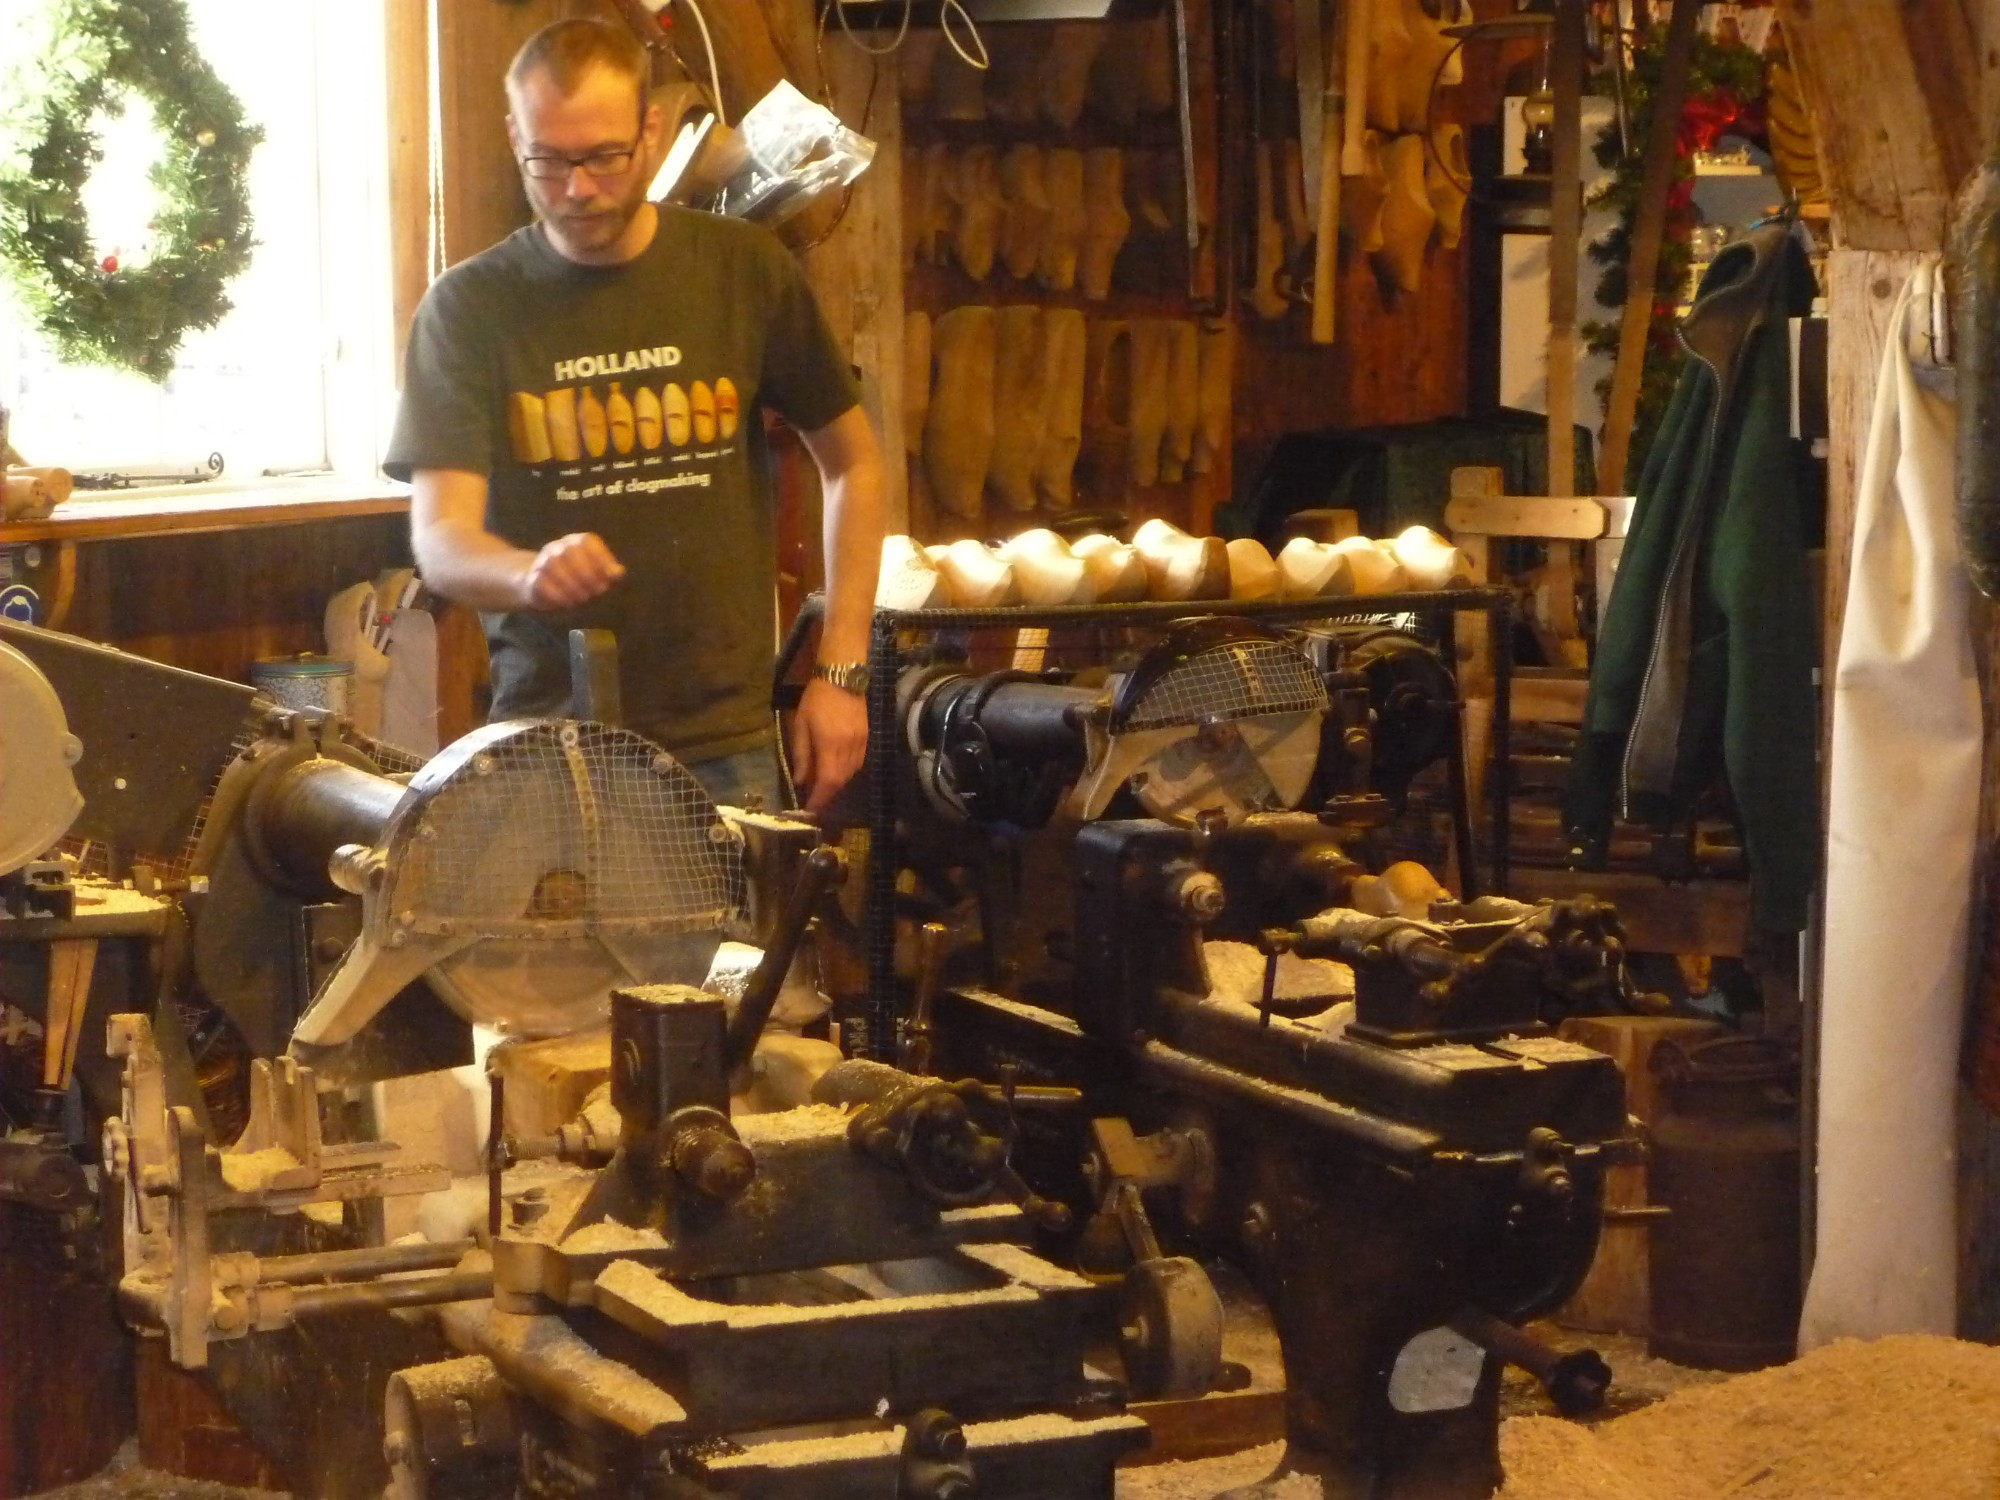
579,423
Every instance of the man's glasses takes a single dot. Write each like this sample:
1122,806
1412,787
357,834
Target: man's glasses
597,164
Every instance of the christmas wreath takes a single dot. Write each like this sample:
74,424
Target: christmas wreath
94,309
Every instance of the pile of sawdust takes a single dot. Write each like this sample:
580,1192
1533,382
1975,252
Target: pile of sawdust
1907,1418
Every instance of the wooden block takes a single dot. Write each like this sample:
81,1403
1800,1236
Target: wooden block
1579,519
1629,1041
548,1081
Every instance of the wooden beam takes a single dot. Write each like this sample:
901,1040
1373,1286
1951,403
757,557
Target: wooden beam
1649,231
1889,183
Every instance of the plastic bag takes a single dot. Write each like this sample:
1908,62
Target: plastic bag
792,150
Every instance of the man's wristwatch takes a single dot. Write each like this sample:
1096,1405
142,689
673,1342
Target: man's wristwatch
850,676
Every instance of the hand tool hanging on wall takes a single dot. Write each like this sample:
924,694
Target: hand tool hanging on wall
1265,298
1648,232
1320,131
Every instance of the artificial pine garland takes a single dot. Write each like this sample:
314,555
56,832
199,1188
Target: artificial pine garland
93,309
1725,89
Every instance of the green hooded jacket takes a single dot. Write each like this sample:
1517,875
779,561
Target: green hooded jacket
1706,653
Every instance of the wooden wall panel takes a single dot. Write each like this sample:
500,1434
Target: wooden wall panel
216,601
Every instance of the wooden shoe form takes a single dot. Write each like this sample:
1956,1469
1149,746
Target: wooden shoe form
1252,572
1432,55
1407,215
1152,354
916,62
1106,221
1212,418
1118,572
1362,197
1153,191
908,579
978,577
916,379
937,209
1447,175
1429,561
1406,889
1013,78
1117,75
958,435
1389,48
1311,570
1107,403
1046,571
1157,91
1375,568
1023,185
1062,179
958,90
1065,73
1179,566
975,191
1063,357
1183,411
1017,407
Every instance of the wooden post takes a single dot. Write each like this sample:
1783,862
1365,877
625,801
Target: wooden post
1648,233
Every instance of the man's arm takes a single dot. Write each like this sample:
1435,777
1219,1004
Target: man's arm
830,731
460,559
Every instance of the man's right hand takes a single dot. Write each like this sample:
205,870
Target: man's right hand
569,571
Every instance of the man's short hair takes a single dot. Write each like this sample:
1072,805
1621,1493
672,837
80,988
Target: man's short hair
569,50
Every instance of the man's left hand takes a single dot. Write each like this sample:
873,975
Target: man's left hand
829,739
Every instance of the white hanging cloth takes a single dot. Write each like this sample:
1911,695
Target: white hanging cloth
1900,845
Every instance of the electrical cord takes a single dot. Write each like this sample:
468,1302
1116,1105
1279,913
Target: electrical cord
950,12
854,39
714,73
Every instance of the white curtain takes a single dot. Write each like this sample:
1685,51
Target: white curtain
1905,799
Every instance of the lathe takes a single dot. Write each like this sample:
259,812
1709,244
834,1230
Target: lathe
1340,1077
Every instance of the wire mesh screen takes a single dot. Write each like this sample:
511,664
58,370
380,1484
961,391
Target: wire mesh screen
1235,681
565,828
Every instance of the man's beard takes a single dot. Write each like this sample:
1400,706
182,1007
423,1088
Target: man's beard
600,223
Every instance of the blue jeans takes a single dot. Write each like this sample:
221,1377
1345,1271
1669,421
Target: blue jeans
736,780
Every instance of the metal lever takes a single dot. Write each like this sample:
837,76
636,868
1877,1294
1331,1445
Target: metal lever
823,869
1576,1382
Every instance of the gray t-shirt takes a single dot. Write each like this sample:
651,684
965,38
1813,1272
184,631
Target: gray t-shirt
626,400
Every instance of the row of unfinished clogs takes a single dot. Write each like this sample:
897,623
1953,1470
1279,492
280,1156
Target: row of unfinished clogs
1161,563
1055,216
1040,75
1001,400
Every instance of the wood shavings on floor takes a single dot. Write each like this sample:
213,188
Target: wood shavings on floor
1912,1417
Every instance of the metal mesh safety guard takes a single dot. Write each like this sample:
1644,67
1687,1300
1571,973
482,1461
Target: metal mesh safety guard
565,828
1233,680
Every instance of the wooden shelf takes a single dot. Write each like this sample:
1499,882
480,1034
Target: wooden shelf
113,514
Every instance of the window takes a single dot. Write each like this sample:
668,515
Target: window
299,376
